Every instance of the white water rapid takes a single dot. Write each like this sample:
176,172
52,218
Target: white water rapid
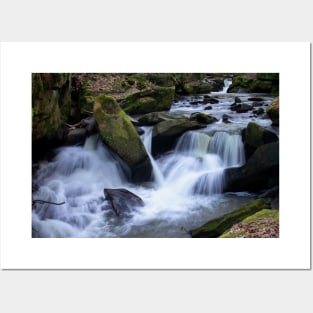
186,187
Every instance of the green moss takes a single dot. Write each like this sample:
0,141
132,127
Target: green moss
117,131
153,99
260,218
273,111
218,226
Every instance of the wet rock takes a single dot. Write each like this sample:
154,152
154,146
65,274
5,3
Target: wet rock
120,135
237,100
260,111
226,119
202,118
255,136
122,201
209,107
139,130
154,118
259,173
165,134
241,108
255,99
75,136
210,100
89,124
217,227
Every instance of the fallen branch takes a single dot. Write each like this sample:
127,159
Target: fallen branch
86,111
72,126
49,202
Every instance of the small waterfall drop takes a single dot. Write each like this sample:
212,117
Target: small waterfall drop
227,83
229,147
147,141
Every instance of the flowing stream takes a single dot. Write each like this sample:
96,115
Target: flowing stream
186,190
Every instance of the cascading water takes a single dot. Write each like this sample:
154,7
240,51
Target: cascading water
227,83
186,191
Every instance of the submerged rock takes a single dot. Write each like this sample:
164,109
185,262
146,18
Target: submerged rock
120,135
75,136
122,201
217,227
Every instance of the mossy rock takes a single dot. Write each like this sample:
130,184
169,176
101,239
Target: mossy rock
202,118
260,220
165,134
256,136
197,87
273,111
50,104
217,227
117,131
154,118
153,99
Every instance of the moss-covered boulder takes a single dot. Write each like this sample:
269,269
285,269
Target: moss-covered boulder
119,134
202,118
217,227
255,136
259,173
165,134
50,103
154,118
241,107
273,111
263,224
255,83
154,99
197,87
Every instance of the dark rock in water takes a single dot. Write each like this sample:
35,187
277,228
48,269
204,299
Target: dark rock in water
257,104
122,200
217,227
153,118
195,102
75,136
237,100
202,118
165,134
226,119
255,99
208,107
210,100
260,111
255,136
241,107
259,173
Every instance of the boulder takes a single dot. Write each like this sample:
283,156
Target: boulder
202,118
120,135
255,136
122,201
154,99
273,111
208,99
241,107
226,119
260,111
165,133
197,87
209,107
75,136
154,118
257,99
89,124
237,100
217,227
259,173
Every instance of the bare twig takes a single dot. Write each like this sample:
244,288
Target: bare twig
86,111
49,202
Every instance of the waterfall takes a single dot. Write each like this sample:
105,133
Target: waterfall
147,141
227,83
229,147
